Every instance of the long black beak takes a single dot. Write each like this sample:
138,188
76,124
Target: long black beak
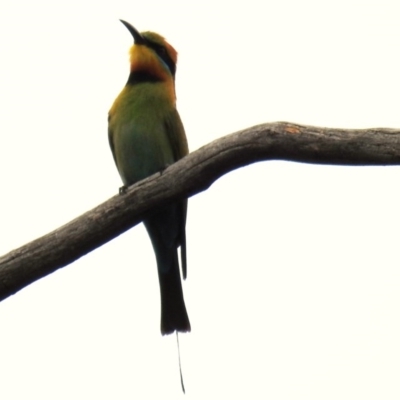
137,37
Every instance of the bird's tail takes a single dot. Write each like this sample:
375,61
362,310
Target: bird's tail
165,231
174,316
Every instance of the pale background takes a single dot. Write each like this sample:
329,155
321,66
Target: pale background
293,270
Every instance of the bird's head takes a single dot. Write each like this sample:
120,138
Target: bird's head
152,57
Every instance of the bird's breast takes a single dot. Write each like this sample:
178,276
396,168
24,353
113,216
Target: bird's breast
139,136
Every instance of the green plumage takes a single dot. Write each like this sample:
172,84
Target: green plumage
146,135
145,132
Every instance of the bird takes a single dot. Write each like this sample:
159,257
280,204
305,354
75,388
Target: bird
146,135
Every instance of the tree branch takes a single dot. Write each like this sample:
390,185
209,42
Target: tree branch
191,175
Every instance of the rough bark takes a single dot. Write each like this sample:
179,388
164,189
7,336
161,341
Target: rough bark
191,175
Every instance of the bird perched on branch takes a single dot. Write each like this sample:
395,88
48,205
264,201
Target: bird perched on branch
146,135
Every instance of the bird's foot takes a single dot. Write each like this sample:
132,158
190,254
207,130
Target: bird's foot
123,190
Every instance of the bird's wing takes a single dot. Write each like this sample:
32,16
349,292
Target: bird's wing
111,139
176,135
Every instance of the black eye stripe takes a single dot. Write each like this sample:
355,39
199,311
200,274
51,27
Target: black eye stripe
163,54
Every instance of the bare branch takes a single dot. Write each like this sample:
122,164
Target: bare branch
191,175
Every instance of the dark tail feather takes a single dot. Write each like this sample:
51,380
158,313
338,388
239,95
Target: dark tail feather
165,230
174,316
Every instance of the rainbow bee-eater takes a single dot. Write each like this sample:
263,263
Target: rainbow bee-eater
146,135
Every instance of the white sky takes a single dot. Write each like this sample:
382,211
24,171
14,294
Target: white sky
293,270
